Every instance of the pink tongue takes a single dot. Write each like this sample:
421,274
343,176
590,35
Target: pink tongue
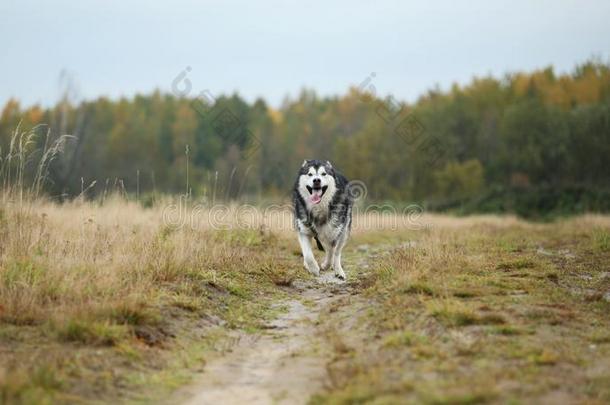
315,198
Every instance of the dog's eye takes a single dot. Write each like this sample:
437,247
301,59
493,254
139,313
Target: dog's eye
323,174
310,174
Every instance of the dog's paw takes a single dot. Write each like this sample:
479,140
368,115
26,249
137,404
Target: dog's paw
340,274
325,265
312,266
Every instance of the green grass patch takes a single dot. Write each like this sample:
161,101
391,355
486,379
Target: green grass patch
601,240
418,288
453,314
91,332
470,398
545,357
465,293
517,264
39,385
507,330
135,314
188,303
600,337
403,338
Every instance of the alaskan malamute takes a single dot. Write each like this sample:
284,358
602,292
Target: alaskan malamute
322,210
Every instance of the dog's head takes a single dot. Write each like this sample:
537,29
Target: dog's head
316,181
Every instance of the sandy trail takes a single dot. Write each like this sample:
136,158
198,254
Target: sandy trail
284,365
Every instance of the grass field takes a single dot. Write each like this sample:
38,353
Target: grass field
483,310
111,302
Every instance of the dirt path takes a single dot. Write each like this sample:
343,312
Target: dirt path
285,364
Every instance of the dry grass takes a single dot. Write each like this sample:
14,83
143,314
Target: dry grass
105,301
87,290
483,309
81,258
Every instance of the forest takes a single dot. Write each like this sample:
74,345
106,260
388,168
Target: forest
533,143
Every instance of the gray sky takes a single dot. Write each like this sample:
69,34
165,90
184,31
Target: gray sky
274,48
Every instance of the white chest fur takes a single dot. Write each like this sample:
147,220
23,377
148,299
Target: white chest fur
328,233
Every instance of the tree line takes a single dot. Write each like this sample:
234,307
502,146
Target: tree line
524,131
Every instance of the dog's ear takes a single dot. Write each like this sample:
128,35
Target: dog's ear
304,163
328,164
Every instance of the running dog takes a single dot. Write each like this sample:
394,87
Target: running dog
322,210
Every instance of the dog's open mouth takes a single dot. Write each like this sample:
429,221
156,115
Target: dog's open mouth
316,193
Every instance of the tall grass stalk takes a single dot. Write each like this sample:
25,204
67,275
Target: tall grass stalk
24,169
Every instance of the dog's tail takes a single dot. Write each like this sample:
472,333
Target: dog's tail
319,244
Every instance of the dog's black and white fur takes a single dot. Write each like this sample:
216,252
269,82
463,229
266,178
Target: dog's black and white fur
322,210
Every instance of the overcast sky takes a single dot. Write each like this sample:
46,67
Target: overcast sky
274,48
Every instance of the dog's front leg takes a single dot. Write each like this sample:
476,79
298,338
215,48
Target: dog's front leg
336,258
328,258
337,265
309,261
